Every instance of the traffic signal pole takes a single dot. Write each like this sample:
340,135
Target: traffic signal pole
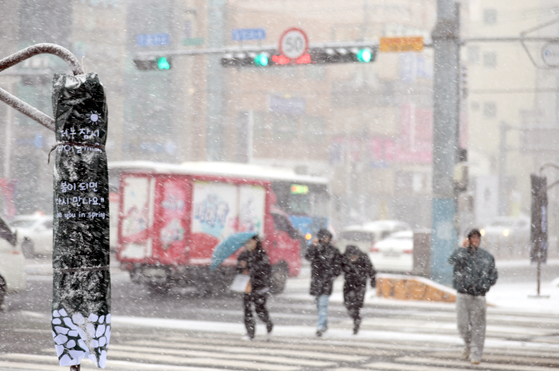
446,43
215,83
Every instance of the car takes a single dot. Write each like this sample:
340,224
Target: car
12,262
35,233
394,253
365,235
507,235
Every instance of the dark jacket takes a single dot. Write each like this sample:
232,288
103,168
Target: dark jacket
326,263
474,271
356,274
258,266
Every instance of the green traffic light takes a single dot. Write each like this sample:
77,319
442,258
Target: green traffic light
163,63
364,55
261,60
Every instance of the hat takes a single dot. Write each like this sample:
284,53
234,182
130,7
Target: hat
351,250
323,232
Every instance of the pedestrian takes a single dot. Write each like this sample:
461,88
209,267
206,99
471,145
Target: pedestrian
357,268
474,274
254,262
325,267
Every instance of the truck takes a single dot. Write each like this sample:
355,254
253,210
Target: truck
171,218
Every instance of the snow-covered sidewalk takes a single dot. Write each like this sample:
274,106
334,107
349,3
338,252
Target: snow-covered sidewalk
517,296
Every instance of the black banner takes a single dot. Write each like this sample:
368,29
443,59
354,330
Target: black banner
538,229
81,256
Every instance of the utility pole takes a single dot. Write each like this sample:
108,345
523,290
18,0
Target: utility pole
503,148
446,43
215,110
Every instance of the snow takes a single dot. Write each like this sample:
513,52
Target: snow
308,332
504,296
231,169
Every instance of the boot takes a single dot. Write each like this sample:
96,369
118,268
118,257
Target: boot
356,325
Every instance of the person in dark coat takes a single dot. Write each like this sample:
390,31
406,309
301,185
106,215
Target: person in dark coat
326,263
254,262
473,275
357,268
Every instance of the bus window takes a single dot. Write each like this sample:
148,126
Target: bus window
300,205
281,223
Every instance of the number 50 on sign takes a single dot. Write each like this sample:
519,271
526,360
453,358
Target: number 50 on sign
293,43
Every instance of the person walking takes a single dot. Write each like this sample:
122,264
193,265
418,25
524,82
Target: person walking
325,267
473,275
357,268
254,262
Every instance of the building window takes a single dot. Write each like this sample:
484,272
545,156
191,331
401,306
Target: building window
314,129
284,126
473,54
490,59
489,110
489,16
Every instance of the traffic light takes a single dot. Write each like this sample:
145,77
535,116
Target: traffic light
163,63
343,55
247,59
160,63
315,55
261,59
364,55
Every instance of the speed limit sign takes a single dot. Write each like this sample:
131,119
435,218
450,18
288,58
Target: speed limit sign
293,43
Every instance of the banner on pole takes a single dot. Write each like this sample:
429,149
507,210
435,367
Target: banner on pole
81,319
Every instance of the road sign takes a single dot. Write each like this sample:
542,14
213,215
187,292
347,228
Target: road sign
550,54
156,39
247,34
293,43
401,44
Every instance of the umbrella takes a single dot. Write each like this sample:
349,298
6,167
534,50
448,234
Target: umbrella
81,319
228,247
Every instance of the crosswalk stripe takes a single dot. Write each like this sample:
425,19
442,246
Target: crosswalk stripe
112,365
402,335
213,355
357,346
406,367
4,365
544,359
497,351
262,350
201,361
447,327
523,360
492,366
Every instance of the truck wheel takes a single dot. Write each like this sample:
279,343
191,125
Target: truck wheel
2,292
279,278
28,248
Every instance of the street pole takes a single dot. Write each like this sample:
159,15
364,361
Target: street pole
250,136
8,144
446,43
503,127
215,111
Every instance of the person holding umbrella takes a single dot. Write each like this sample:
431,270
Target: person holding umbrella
357,267
254,262
325,267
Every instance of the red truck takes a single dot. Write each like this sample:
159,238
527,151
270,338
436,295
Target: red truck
171,217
